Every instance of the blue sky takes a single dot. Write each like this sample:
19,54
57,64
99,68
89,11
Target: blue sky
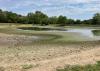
76,9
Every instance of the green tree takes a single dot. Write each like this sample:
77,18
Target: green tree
96,19
78,22
87,22
70,22
61,20
45,21
30,18
53,20
11,17
39,17
3,18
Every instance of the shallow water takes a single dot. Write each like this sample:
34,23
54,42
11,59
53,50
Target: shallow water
84,32
90,33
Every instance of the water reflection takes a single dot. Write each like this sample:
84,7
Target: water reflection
84,32
91,33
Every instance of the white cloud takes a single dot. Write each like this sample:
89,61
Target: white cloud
53,7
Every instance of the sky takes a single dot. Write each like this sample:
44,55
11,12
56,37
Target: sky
75,9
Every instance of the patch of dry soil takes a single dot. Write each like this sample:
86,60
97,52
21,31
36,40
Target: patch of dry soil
15,40
51,64
47,57
81,58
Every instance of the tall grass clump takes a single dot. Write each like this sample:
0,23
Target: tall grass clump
96,32
95,67
26,66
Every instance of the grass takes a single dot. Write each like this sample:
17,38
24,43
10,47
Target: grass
84,26
95,67
96,32
37,28
27,66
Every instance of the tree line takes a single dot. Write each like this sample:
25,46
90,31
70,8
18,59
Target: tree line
39,18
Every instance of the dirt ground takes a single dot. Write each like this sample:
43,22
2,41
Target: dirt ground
44,57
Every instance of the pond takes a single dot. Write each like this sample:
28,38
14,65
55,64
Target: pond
84,32
88,33
91,33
